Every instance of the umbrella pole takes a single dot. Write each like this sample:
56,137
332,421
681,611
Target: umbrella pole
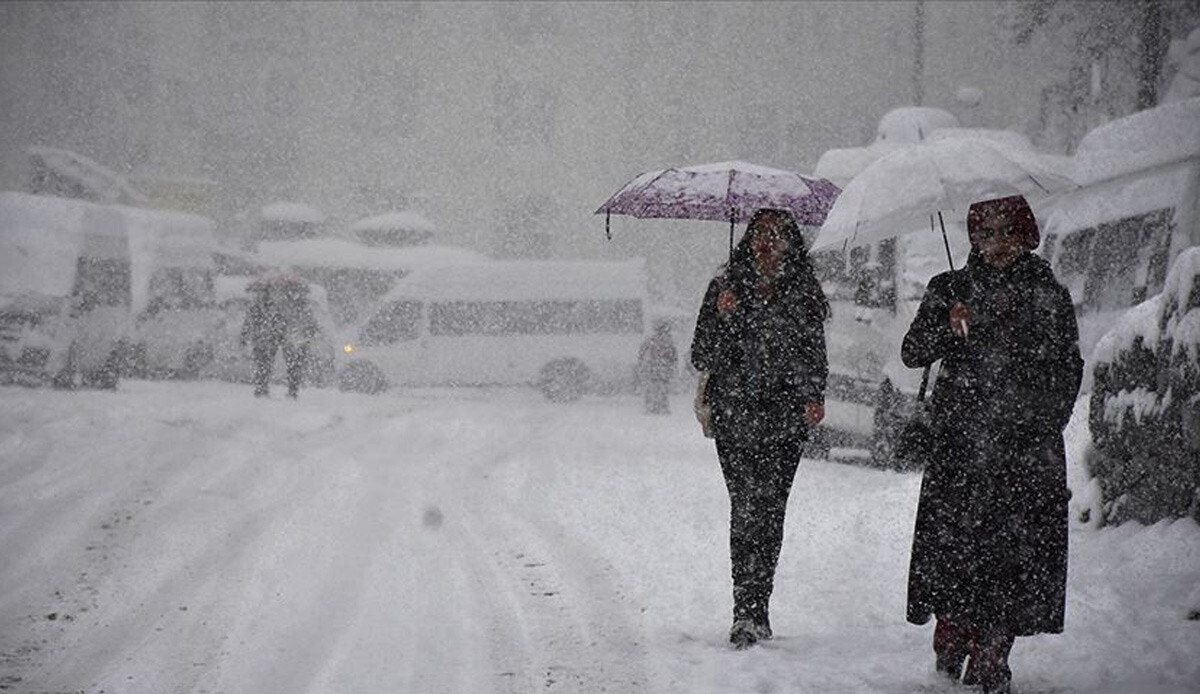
731,218
607,225
945,239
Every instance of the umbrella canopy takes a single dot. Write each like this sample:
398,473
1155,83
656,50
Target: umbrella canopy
727,191
901,191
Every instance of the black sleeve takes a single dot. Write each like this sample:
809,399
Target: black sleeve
813,358
929,338
1065,371
704,340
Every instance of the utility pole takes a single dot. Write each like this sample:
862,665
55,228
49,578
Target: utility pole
919,53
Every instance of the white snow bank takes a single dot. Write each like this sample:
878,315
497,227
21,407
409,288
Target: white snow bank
1147,139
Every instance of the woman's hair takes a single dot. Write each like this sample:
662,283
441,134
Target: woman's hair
796,272
1015,210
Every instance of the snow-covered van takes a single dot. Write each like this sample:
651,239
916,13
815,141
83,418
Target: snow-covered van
569,327
355,274
76,274
171,335
66,290
1137,208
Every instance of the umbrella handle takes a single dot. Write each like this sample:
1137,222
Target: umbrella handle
732,216
945,240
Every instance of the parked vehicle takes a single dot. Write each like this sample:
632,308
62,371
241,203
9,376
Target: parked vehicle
171,335
68,287
567,327
1137,208
355,275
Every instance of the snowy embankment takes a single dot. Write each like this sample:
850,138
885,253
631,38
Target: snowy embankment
188,538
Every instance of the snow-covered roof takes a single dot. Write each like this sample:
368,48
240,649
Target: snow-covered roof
913,123
40,241
297,212
107,185
1009,139
399,220
518,280
334,253
842,164
41,238
1147,139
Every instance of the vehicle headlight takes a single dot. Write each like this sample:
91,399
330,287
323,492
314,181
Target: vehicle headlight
348,348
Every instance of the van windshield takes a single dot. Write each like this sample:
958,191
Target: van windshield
396,321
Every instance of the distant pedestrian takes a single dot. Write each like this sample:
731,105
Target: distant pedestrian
656,366
760,340
280,318
989,555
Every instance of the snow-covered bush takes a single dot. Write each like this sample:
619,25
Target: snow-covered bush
1145,404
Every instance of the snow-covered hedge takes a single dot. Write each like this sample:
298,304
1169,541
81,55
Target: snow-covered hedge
1145,404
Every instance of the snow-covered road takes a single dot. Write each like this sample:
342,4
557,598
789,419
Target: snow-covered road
189,538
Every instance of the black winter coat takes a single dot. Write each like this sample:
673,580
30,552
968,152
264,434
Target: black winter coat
765,358
990,543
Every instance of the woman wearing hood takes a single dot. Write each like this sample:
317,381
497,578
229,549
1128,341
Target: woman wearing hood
760,337
989,556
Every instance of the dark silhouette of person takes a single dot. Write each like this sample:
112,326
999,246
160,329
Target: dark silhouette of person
280,318
656,366
760,338
989,555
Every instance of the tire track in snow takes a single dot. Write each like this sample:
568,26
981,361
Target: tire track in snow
577,635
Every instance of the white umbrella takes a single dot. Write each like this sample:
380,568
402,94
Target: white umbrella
903,190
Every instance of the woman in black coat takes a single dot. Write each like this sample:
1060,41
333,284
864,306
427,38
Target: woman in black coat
989,556
760,337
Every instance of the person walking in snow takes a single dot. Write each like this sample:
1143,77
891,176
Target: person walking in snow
657,361
280,317
989,554
760,338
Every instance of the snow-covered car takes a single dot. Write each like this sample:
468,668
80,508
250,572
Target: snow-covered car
1145,404
232,360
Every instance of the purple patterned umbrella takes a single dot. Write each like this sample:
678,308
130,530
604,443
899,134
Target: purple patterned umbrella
727,191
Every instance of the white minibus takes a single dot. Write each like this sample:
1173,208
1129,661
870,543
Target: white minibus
568,327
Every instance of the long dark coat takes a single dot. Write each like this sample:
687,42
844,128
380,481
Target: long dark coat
766,358
990,543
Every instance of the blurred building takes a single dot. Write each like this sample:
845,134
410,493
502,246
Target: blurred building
505,123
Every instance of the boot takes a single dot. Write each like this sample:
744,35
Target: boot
988,665
745,633
951,645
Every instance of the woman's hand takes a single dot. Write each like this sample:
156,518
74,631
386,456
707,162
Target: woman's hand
726,301
814,412
959,318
